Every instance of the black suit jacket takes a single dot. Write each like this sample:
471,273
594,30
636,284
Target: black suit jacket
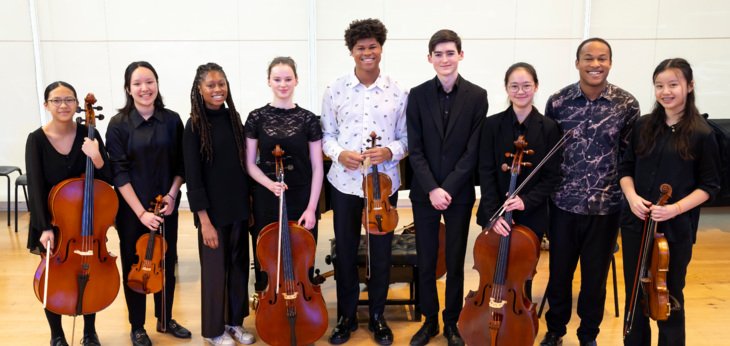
445,155
498,136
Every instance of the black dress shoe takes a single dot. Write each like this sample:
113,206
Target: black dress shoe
381,332
90,340
428,330
59,341
451,333
551,339
588,343
342,331
139,338
175,329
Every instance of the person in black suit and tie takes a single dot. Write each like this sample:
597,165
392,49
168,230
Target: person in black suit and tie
444,118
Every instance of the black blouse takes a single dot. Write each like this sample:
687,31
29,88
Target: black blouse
664,165
220,186
46,167
145,153
499,132
292,129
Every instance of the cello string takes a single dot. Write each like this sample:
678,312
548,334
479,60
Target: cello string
45,284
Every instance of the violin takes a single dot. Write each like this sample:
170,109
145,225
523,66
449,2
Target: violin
499,312
291,310
148,275
651,271
81,275
378,216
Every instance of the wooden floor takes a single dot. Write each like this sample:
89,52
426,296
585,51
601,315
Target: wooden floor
22,321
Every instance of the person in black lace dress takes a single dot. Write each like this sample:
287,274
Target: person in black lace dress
297,131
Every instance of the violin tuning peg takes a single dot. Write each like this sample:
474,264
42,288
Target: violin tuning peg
529,152
505,167
526,164
509,155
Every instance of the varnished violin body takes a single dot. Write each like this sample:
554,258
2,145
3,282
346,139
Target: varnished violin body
379,217
148,274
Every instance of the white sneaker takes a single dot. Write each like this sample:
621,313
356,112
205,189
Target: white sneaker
240,334
223,339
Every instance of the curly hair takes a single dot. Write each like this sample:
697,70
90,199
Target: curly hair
365,28
199,119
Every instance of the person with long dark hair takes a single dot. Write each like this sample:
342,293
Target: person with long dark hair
298,132
671,145
145,150
53,153
215,171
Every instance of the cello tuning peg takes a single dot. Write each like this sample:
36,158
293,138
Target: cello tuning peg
79,109
100,116
80,120
98,108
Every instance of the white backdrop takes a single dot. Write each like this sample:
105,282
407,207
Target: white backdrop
88,43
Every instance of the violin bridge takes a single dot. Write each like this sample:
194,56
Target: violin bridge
290,296
496,304
84,253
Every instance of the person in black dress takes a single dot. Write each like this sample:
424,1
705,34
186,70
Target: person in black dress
530,206
215,171
672,145
145,151
53,153
298,133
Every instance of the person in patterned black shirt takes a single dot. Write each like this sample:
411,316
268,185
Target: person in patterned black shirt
584,213
297,131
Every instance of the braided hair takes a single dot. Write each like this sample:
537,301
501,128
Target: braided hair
199,119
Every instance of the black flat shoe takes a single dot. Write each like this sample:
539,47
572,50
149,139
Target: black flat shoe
90,340
451,333
175,329
342,331
381,332
551,339
140,338
588,343
427,331
59,341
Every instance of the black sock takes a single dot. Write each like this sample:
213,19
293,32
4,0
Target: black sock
54,321
89,324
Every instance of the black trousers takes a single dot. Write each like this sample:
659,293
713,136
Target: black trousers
347,217
130,229
589,239
671,331
224,279
427,219
266,210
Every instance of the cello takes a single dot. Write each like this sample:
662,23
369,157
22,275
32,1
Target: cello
148,275
499,312
291,310
82,276
651,271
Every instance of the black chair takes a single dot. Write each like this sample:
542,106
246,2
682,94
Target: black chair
6,171
615,288
21,181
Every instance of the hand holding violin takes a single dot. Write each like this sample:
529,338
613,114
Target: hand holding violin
378,155
350,159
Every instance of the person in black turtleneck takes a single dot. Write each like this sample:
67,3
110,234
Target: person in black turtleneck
215,160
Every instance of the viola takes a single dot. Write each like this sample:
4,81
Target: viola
499,311
83,277
378,216
148,275
651,271
291,310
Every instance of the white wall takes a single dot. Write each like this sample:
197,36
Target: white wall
89,43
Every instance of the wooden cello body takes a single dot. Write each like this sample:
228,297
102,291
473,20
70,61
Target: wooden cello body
499,311
291,310
83,277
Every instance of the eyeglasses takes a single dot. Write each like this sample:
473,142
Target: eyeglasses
514,88
58,102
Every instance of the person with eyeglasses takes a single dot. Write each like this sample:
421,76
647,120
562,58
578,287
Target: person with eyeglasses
529,207
53,153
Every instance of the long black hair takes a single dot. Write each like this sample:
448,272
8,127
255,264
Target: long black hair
129,105
199,119
656,123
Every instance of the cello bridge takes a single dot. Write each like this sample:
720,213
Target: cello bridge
290,296
84,253
496,304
